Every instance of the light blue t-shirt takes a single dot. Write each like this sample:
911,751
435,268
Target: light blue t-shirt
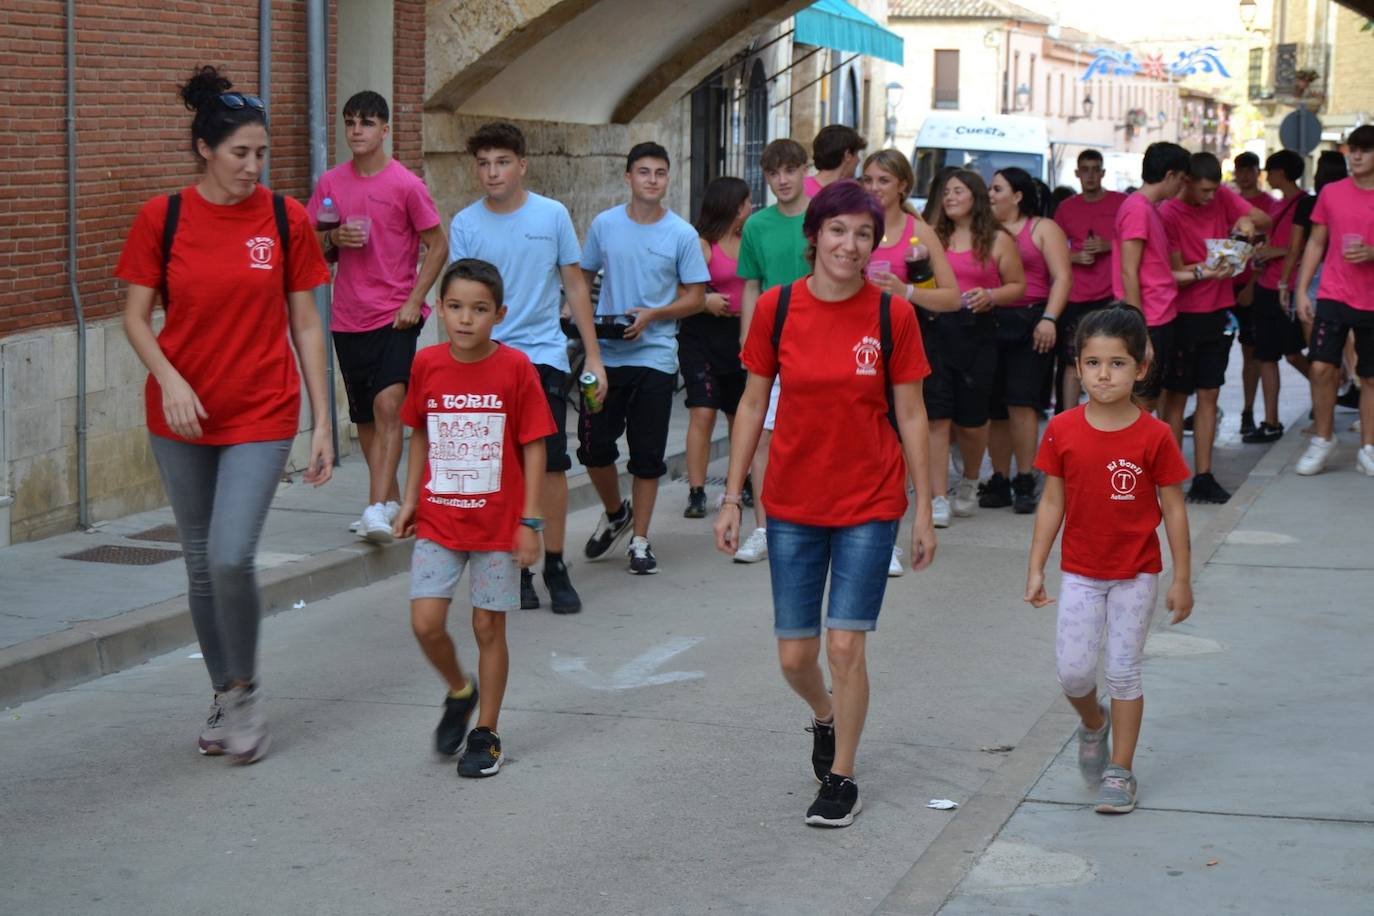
643,265
527,247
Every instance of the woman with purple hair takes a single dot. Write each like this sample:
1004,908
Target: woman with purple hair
850,421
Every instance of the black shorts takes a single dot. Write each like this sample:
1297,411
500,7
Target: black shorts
1334,322
1019,377
372,361
1245,317
708,354
962,351
555,385
1277,334
1162,351
638,405
1201,351
1067,328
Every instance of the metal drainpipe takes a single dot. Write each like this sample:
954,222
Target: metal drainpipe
265,68
316,29
83,512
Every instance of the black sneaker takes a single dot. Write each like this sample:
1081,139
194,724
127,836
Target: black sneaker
642,559
609,531
529,598
482,756
1266,432
996,493
1205,489
822,748
1188,424
1350,397
696,503
448,737
836,803
1024,500
1247,423
746,495
563,598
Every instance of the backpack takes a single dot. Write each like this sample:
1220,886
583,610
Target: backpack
169,231
884,342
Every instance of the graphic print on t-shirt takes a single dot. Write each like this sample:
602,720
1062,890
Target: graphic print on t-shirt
465,446
1124,476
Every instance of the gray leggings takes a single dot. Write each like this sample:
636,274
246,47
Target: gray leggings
220,495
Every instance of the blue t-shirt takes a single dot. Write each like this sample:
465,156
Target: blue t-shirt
643,265
527,247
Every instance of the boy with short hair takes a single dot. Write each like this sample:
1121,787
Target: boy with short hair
379,299
772,252
655,274
531,240
478,419
1247,175
1342,241
836,152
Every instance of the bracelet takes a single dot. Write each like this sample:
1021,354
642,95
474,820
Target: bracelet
731,499
908,292
1050,318
1197,271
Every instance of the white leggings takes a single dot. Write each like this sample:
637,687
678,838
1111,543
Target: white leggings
1089,609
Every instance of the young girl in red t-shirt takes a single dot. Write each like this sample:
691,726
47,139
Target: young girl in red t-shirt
1108,468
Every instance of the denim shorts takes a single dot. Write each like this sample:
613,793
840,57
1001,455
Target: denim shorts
856,557
493,580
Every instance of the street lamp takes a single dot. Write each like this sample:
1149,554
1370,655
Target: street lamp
1087,110
1249,9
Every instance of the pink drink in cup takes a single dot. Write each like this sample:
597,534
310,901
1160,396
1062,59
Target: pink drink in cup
360,222
876,269
1352,241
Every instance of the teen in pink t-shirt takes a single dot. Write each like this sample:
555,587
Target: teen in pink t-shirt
1138,219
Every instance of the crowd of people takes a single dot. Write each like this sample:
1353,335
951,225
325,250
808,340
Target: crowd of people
839,308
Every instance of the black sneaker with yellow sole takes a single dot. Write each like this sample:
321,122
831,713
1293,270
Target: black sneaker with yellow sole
482,756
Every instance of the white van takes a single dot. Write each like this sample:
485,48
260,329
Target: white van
983,143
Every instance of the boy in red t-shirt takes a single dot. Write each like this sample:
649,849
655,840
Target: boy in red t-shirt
471,405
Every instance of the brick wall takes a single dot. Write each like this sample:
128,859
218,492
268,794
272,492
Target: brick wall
408,86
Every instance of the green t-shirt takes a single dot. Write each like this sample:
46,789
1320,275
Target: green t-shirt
773,249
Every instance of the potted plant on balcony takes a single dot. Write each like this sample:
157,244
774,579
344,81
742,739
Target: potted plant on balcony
1302,79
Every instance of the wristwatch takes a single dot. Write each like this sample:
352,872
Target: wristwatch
1197,271
534,524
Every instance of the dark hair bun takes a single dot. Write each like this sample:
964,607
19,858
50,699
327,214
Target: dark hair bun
204,87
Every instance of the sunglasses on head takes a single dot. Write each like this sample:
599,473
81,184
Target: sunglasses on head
235,101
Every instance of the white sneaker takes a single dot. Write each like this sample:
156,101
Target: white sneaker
393,509
1364,459
939,512
894,566
966,498
1313,461
376,527
356,526
754,548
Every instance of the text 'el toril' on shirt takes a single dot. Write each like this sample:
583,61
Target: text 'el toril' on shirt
1082,219
227,323
643,264
1345,209
475,418
1188,228
1139,220
773,249
374,281
835,460
527,247
1111,503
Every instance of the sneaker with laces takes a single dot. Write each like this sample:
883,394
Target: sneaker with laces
1023,494
453,724
1313,461
642,559
482,756
939,511
1247,422
1093,750
1205,489
529,598
822,747
836,804
563,598
996,493
610,530
1350,397
894,566
393,509
245,728
696,503
754,548
1364,460
965,502
1117,793
211,741
1265,432
376,526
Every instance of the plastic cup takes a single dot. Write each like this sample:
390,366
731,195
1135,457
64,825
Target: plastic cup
361,222
1352,241
876,269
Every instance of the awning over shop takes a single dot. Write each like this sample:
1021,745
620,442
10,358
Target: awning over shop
835,24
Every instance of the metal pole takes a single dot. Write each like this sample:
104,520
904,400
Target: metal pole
316,30
83,510
265,68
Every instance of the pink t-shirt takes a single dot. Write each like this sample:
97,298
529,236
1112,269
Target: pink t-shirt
725,278
1268,205
811,186
1189,228
1345,209
374,281
895,254
1138,219
1080,218
1037,271
1280,235
973,273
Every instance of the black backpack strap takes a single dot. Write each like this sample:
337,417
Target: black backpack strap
885,343
169,231
283,233
780,316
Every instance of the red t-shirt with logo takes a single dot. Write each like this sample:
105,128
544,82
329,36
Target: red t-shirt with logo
476,416
1111,482
226,328
835,460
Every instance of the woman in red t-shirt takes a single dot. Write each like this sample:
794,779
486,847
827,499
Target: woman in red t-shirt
223,393
835,490
1108,466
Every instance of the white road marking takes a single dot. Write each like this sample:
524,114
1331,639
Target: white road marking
636,673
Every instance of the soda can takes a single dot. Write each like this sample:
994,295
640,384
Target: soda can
589,384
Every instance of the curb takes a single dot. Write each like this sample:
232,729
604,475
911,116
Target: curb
95,648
